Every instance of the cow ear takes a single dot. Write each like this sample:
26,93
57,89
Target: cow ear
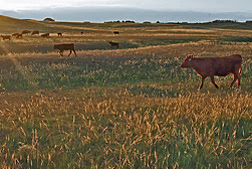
190,56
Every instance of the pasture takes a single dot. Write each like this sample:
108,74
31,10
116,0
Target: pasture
132,107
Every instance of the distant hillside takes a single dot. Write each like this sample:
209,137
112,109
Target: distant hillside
10,25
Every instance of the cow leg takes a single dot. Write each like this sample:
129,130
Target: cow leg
235,77
202,82
213,81
70,53
61,53
239,79
74,52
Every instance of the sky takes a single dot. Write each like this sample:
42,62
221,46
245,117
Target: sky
183,5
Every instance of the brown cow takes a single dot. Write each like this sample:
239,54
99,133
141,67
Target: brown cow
19,36
6,37
14,34
35,32
217,66
59,34
45,35
65,46
114,44
26,32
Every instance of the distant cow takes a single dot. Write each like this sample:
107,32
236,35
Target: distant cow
59,34
116,32
82,32
36,32
26,32
65,46
45,35
114,44
6,37
217,66
14,34
19,36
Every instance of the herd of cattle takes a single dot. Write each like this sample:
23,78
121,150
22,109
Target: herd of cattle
36,32
26,32
61,47
205,67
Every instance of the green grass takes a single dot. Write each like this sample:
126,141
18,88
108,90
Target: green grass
109,71
239,39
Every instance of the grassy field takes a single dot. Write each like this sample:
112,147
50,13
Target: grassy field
132,107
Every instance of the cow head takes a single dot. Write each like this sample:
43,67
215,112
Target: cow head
55,46
187,61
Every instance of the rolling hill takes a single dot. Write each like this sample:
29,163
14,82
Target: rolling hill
10,25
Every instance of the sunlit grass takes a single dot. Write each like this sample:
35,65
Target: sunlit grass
118,129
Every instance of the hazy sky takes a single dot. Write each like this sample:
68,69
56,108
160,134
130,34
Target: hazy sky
188,5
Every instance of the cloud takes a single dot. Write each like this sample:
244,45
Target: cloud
121,13
30,4
186,5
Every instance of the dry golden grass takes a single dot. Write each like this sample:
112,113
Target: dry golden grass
118,129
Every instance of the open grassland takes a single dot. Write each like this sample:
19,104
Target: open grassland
132,107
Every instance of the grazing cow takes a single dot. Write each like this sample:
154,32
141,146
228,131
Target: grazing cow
65,46
82,32
45,35
26,32
14,34
114,44
19,36
6,37
217,66
59,34
35,32
116,32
